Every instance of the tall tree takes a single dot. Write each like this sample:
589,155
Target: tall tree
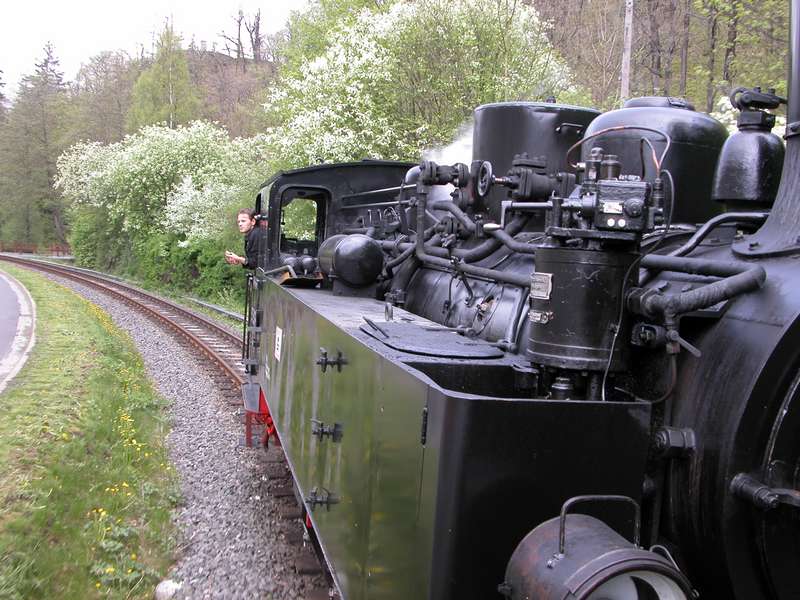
102,96
164,92
31,141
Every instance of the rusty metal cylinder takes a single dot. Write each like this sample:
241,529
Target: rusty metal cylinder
596,564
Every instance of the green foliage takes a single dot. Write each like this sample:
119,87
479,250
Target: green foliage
164,93
101,97
31,139
311,32
299,219
157,204
393,82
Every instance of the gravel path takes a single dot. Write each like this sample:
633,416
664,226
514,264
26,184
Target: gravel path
232,542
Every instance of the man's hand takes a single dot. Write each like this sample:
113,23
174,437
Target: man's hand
234,259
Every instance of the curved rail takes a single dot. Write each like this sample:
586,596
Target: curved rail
218,343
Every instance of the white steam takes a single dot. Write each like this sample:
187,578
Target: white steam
459,150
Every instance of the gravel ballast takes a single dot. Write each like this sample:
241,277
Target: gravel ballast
230,536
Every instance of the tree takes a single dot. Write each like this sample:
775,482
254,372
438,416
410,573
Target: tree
164,93
31,140
102,96
392,83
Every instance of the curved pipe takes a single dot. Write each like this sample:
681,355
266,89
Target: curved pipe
711,224
454,210
755,218
470,255
739,278
460,266
510,242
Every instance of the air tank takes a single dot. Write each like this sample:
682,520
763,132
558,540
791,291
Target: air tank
355,259
697,140
542,129
750,165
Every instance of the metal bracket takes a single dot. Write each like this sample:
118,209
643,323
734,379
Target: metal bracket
324,362
319,429
320,497
562,529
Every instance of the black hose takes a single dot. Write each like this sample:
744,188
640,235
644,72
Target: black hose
739,278
711,224
511,243
471,255
459,214
459,265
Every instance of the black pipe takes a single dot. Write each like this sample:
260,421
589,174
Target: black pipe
458,265
510,242
739,278
711,224
697,238
470,255
459,214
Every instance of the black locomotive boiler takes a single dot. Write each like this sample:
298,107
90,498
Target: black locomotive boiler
567,370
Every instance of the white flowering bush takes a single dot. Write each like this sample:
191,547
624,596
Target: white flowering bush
395,82
180,179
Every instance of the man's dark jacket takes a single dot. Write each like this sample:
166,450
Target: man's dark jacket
251,243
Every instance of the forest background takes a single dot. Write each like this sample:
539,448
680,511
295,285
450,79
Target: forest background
140,162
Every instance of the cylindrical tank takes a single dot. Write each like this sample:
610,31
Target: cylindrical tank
595,563
697,140
505,129
750,165
355,259
575,301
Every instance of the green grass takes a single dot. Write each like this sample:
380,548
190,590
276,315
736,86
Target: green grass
86,490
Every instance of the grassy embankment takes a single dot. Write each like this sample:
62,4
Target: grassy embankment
85,487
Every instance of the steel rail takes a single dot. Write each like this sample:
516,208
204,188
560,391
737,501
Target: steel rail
123,292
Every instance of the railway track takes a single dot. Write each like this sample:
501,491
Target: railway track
221,347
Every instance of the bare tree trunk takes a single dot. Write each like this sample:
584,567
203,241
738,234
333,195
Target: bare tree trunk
238,46
730,45
712,51
655,45
625,77
687,14
256,37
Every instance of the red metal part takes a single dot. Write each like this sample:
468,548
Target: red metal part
263,417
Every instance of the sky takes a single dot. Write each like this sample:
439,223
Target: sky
80,29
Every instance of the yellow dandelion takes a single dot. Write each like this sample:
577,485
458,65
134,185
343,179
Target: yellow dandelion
97,585
133,556
110,570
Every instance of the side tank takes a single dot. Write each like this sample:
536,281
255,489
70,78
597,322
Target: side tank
697,140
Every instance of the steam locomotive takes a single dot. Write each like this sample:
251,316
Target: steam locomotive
566,370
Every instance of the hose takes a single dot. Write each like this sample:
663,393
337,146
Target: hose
708,226
510,242
458,265
454,210
738,279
